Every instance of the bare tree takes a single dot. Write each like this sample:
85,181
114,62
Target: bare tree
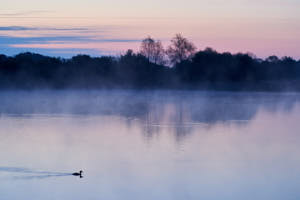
153,50
180,49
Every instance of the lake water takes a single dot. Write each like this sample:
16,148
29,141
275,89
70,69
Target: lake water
164,145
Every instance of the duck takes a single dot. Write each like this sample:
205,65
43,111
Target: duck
78,174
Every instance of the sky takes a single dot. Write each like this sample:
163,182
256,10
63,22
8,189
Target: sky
109,27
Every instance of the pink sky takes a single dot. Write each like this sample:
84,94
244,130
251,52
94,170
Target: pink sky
262,27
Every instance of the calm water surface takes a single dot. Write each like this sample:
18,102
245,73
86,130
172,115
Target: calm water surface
149,145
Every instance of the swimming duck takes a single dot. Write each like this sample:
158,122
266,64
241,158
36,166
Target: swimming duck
78,174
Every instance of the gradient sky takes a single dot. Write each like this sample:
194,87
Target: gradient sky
101,27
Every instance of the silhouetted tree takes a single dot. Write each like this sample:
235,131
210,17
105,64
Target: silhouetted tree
153,50
273,59
180,49
205,69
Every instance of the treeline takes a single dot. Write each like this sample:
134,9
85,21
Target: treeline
178,67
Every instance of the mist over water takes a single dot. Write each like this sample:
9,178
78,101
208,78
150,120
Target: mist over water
149,145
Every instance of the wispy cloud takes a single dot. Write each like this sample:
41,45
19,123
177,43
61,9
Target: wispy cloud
24,13
16,28
65,41
25,28
7,40
65,46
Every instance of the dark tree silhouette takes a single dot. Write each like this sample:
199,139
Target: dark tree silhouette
205,69
180,49
153,50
